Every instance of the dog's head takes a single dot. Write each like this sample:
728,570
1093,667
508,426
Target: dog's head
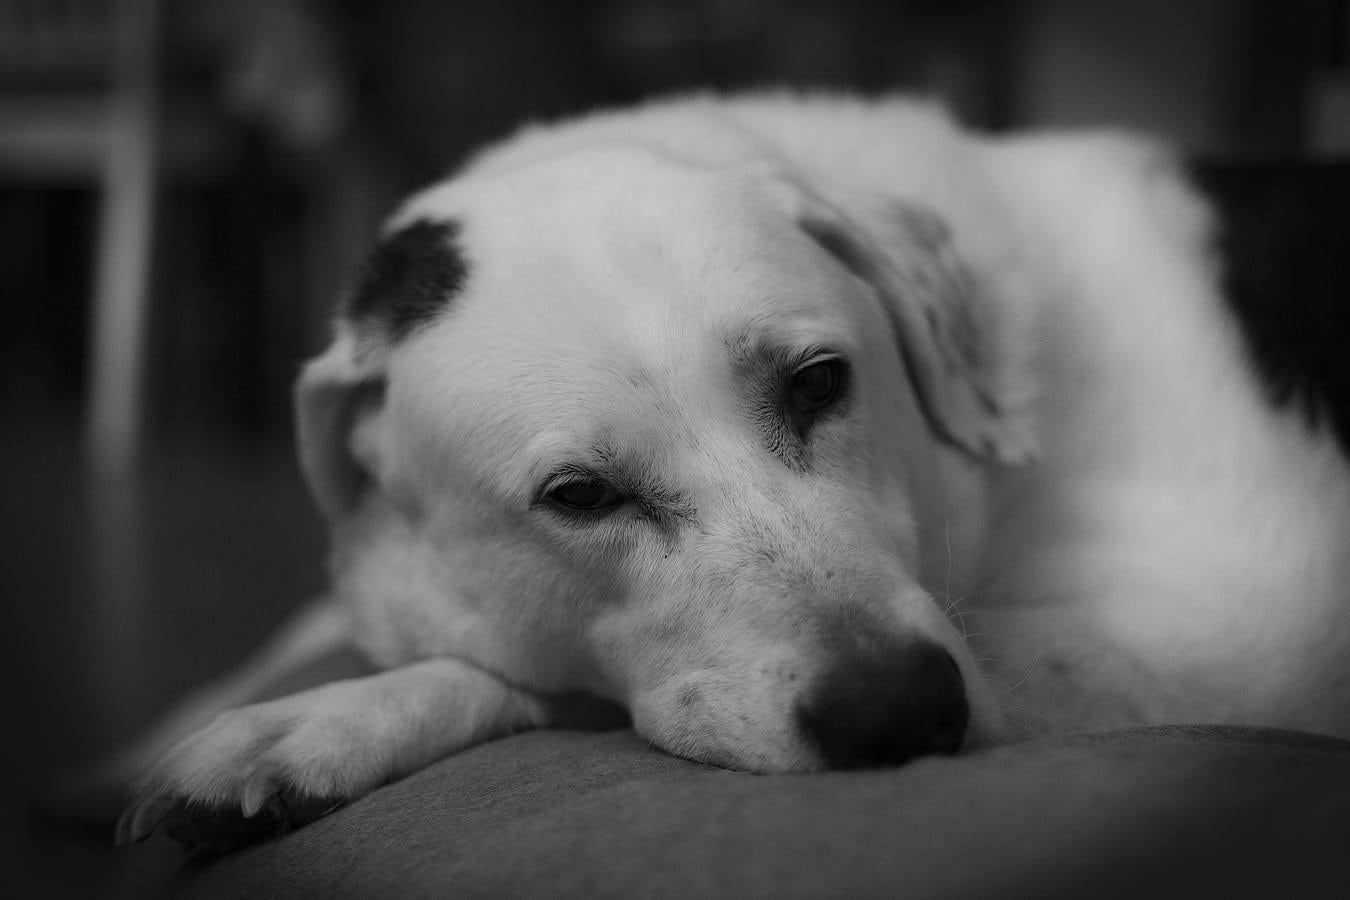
613,423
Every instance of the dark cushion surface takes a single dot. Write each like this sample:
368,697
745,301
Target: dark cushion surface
1194,811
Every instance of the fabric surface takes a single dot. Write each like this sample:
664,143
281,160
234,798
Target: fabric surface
1148,812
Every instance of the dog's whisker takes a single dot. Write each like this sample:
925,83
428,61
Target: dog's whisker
1031,667
947,537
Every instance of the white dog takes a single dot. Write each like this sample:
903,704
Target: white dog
818,434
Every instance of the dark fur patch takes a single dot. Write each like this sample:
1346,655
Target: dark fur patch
410,278
1284,240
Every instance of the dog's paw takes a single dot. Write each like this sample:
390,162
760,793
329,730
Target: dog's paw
256,772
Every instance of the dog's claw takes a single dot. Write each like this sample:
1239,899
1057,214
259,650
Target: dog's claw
255,795
140,820
265,810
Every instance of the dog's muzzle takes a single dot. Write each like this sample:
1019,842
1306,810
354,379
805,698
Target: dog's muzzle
885,708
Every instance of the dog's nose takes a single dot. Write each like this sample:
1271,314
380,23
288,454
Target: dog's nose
883,710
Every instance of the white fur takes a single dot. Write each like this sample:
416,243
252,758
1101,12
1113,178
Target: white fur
1081,470
1191,533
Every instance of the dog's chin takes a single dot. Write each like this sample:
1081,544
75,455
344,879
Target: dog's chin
748,759
785,760
707,731
743,744
776,746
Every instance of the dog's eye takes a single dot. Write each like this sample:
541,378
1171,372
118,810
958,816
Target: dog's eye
585,495
815,386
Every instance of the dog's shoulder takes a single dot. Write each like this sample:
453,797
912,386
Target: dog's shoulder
1096,188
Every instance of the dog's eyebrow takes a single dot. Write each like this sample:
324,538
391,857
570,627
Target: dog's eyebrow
758,347
657,499
410,277
667,506
746,346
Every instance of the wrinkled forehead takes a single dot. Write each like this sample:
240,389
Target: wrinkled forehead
613,243
593,287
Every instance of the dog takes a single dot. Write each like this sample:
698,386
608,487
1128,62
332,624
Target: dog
813,432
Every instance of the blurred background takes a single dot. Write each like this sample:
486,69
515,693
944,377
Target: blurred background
186,184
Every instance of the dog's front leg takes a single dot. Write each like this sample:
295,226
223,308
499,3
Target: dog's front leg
270,766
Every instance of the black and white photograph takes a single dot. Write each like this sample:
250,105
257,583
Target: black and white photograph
675,448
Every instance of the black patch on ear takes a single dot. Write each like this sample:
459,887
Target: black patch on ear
1283,237
410,278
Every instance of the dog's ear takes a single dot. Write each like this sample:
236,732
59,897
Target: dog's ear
907,254
339,401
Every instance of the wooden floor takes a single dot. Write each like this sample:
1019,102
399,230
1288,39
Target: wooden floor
117,597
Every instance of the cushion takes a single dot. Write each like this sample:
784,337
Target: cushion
1214,811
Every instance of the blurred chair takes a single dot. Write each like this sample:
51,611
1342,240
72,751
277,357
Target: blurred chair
78,102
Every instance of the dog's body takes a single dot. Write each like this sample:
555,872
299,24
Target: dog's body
751,415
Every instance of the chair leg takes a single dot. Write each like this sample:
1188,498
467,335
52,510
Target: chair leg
117,367
115,393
